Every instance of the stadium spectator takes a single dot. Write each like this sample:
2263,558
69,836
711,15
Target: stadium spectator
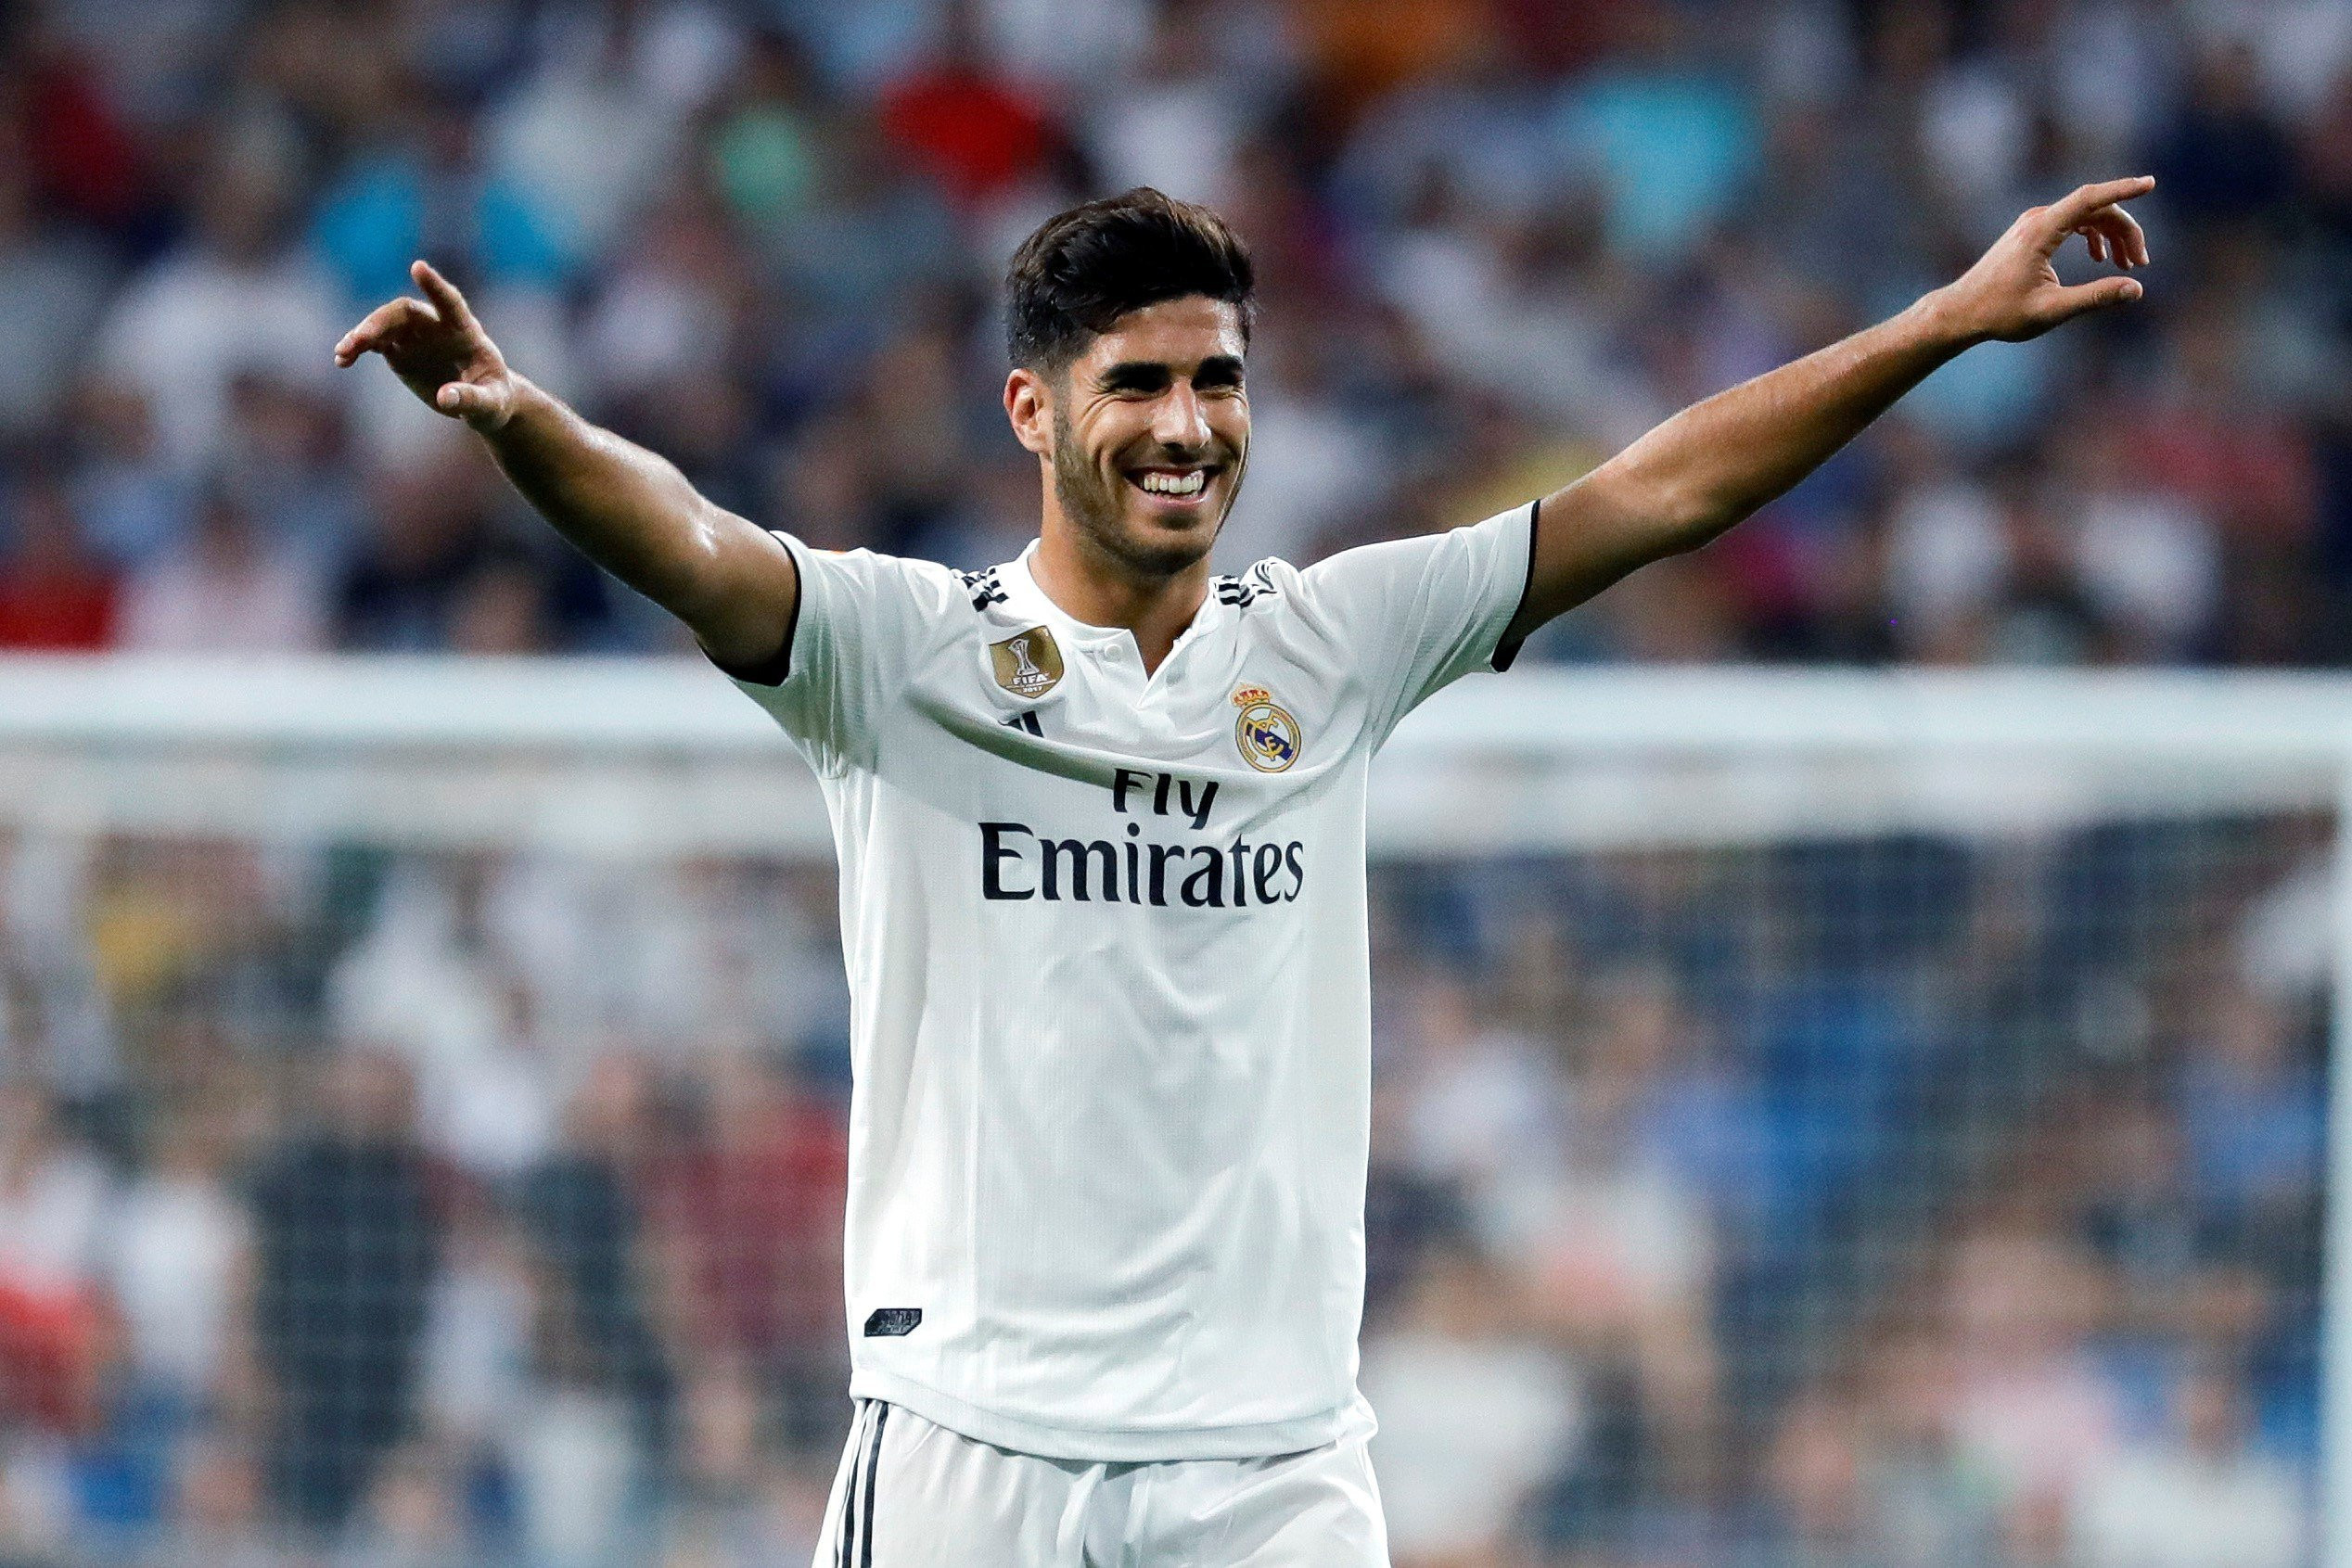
179,1247
750,1208
429,539
606,1296
55,596
2251,1112
236,299
964,120
348,1235
2030,1408
1474,1411
53,1314
233,590
219,1511
52,282
2199,1496
412,1519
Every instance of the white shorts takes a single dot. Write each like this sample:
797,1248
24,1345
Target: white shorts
913,1495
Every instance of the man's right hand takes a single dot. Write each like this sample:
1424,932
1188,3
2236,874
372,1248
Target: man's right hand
440,352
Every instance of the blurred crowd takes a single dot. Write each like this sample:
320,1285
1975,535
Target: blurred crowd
1904,1203
1890,1204
1498,238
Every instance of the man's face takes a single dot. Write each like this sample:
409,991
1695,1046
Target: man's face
1147,433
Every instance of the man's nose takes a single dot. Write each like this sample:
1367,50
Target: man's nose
1178,420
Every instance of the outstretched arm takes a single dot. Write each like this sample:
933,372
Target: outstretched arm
631,511
1718,461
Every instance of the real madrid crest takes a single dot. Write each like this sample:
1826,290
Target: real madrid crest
1266,732
1027,665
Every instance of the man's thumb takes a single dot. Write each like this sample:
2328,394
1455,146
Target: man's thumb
463,400
2084,297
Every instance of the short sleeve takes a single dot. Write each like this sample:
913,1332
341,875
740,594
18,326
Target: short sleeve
1418,614
858,624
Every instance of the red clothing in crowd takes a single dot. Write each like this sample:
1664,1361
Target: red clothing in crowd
975,134
68,607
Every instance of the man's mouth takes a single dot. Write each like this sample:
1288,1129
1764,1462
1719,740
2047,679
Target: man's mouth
1173,484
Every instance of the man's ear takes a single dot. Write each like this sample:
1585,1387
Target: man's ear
1028,404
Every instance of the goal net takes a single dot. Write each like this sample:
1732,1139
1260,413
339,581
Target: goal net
1819,1119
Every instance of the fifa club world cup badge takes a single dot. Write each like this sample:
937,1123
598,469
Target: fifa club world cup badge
1028,665
1267,734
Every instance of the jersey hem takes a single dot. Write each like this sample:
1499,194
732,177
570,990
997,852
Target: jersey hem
776,668
1087,1445
1506,647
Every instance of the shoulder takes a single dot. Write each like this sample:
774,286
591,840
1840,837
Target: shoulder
924,586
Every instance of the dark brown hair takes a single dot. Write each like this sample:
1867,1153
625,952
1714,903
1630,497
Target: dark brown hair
1081,271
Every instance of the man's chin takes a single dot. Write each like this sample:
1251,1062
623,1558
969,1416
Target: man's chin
1164,546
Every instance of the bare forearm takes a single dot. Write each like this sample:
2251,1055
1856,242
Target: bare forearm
628,509
1717,462
1701,471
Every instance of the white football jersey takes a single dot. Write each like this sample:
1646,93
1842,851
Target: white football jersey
1107,958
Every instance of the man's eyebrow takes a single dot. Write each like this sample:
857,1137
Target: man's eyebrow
1135,375
1151,375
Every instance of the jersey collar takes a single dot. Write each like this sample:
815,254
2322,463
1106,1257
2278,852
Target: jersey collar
1025,601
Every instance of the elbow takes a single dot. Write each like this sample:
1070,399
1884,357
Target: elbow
1677,512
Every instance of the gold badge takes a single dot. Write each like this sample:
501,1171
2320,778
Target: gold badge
1266,732
1028,665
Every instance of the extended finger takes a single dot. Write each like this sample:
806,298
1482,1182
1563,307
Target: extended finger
380,324
442,293
2126,239
2071,210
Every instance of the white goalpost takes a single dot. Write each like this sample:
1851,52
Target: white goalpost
2211,805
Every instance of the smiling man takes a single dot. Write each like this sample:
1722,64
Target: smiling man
1100,816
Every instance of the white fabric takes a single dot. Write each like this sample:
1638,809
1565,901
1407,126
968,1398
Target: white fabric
1113,1149
2163,1508
912,1494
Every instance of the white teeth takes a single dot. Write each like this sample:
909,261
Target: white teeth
1176,484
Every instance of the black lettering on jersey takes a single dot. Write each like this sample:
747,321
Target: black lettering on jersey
1265,861
1161,855
1247,590
1018,864
1205,887
892,1322
984,586
1125,781
1199,813
1079,851
993,854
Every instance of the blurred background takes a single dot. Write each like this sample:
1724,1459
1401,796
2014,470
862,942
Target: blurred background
1909,1199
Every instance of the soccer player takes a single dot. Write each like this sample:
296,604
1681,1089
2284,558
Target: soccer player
1100,816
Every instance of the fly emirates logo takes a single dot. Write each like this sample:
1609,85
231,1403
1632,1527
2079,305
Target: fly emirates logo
1017,862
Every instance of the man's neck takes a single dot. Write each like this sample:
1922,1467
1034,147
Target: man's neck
1089,586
